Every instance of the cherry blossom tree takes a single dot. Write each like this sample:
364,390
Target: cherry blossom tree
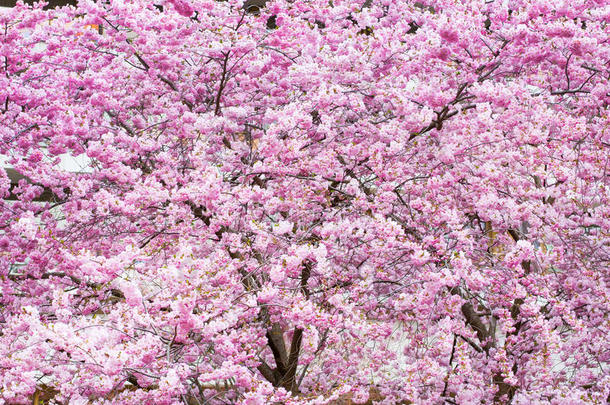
305,202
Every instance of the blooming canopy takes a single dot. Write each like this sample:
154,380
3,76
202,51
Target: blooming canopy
305,202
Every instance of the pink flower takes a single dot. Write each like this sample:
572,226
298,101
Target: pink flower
26,226
282,227
449,35
182,7
133,295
